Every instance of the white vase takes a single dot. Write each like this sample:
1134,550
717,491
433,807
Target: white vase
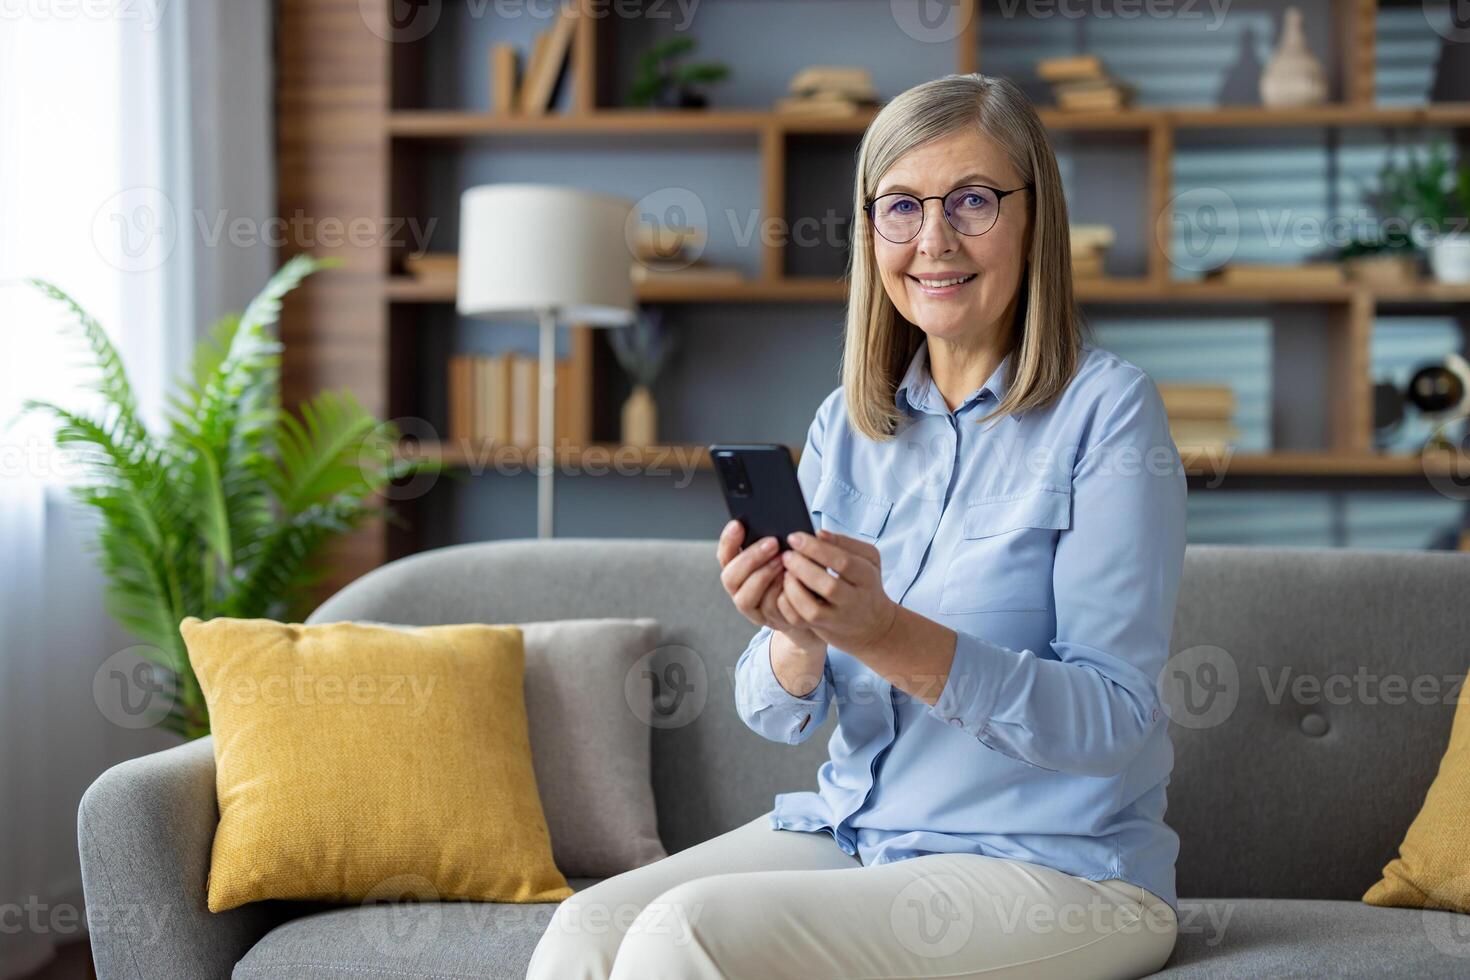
1449,258
1293,76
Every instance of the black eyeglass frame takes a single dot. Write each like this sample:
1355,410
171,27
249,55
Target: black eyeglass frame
1000,196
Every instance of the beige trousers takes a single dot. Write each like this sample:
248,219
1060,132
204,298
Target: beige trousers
766,904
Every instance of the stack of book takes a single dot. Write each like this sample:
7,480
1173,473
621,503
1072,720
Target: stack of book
671,253
1090,244
495,397
829,90
1200,416
533,93
1081,83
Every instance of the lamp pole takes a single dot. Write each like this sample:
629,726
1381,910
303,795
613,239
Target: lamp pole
546,451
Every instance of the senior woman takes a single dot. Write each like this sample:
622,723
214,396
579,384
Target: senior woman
986,606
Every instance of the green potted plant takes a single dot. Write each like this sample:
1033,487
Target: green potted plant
1429,200
221,513
665,82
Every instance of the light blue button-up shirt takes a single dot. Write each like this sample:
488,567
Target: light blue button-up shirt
1053,543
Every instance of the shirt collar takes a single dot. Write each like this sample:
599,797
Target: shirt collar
917,392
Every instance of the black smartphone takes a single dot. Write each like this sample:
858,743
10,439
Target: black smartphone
762,491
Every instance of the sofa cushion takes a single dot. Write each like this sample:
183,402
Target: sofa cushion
405,941
1269,937
352,760
1251,937
1433,866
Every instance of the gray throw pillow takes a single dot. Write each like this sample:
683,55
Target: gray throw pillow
591,748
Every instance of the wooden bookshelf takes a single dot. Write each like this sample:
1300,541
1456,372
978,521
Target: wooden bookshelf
343,120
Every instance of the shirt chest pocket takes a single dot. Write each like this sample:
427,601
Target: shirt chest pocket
1003,560
845,509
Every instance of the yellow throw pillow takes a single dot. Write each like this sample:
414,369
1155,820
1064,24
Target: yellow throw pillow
355,762
1432,870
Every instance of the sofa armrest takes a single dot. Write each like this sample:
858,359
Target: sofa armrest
145,829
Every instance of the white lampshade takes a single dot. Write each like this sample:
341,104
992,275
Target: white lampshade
528,248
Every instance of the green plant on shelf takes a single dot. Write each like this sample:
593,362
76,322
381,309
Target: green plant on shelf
223,512
664,81
1415,201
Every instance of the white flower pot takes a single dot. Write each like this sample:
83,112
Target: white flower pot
1449,258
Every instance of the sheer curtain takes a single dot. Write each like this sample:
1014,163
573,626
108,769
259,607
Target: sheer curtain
119,136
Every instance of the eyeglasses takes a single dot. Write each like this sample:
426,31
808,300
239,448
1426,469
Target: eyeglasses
971,210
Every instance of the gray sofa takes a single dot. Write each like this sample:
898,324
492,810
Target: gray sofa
1287,809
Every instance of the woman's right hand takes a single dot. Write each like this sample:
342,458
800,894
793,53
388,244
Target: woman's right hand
752,576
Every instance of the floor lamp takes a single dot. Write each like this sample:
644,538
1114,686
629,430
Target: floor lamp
556,254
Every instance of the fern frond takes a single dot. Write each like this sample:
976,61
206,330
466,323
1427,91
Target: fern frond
336,447
279,568
111,377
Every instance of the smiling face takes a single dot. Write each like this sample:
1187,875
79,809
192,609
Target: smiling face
984,304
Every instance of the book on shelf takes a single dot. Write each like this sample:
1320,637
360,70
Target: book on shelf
1094,95
1090,236
1087,265
850,80
1197,401
534,58
829,90
1080,82
504,63
523,400
1070,68
1267,274
1216,433
496,398
548,59
1089,248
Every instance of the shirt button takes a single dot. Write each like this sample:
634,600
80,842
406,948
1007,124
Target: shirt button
957,723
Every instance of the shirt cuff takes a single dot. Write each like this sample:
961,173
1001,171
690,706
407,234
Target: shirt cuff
771,688
973,685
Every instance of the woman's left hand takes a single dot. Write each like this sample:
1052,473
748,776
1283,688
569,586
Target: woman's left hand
849,611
